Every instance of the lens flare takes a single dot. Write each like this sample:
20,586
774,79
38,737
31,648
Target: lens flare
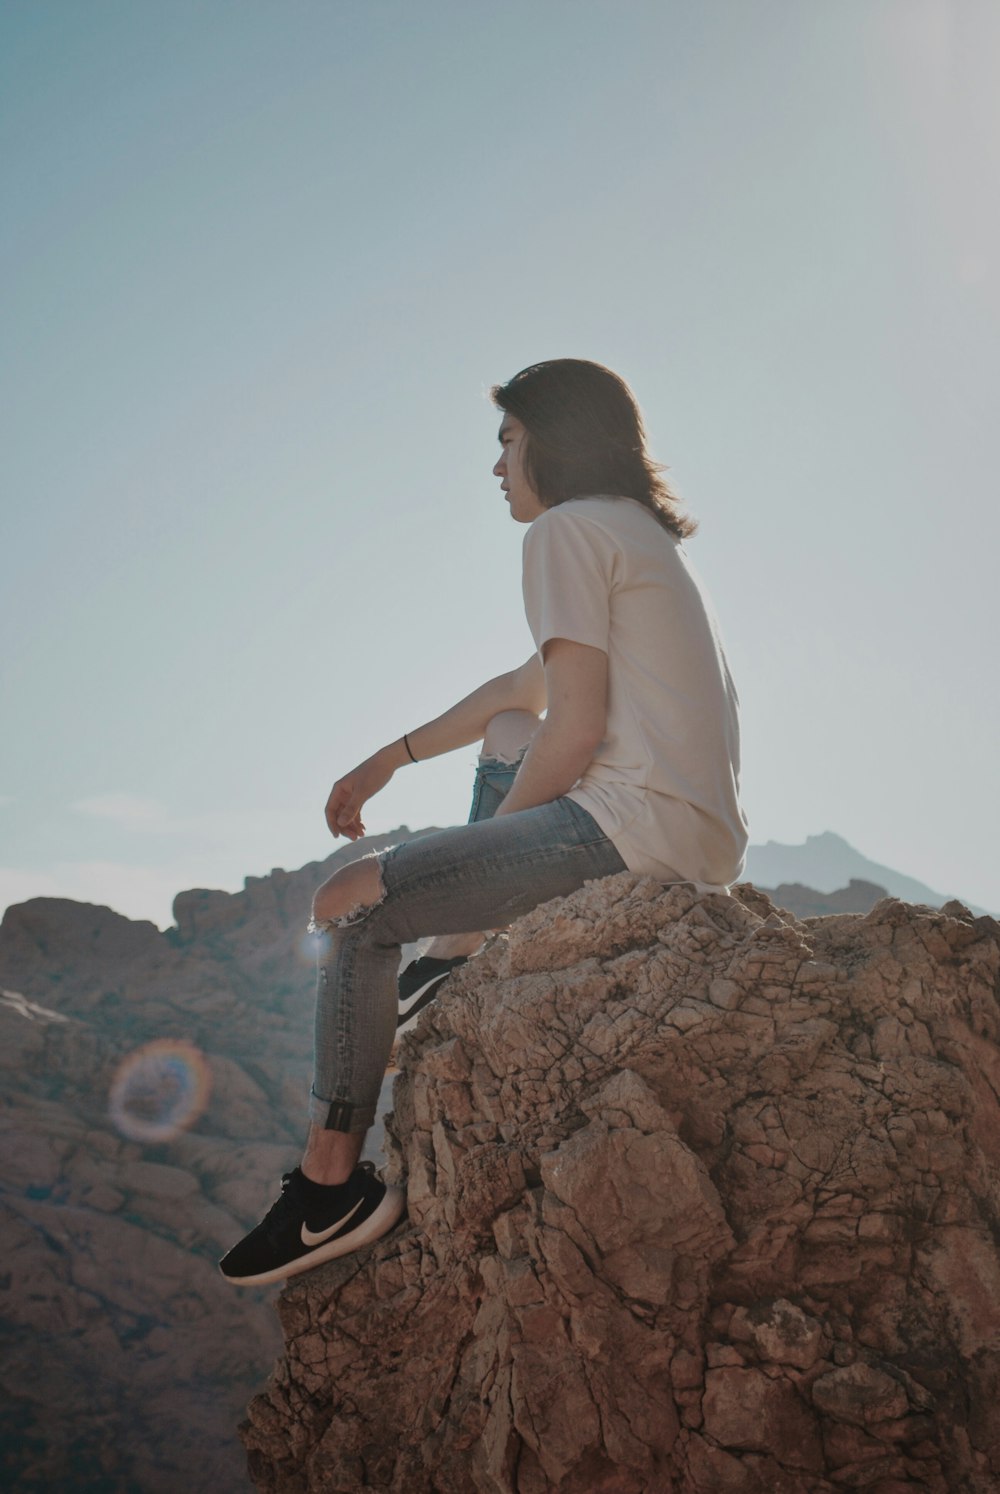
159,1090
314,945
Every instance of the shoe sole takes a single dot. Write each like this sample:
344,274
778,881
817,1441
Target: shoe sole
379,1223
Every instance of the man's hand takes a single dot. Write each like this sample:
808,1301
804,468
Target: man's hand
350,793
521,689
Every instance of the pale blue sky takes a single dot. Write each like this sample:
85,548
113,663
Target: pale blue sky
262,263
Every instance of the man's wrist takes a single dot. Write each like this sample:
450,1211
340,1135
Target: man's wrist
395,755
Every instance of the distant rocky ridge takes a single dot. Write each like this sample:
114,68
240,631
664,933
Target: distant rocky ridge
126,1362
702,1200
806,902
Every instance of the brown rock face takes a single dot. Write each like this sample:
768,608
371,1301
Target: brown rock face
701,1199
125,1359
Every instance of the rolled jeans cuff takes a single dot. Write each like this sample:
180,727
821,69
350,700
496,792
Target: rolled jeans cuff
340,1115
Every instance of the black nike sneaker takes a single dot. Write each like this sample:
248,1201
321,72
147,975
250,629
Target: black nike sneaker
419,982
295,1236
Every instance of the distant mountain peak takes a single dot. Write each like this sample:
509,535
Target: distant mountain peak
827,862
823,838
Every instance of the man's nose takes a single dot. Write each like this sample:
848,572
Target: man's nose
499,469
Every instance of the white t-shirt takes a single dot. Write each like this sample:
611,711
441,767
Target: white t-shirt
664,783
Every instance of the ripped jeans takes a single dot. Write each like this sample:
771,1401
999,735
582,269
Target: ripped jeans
475,876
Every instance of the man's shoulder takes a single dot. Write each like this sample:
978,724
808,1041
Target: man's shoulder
592,506
578,525
594,511
621,523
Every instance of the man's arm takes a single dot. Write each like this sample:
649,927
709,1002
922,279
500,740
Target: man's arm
576,682
521,689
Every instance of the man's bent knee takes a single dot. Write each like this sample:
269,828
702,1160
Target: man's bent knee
349,893
508,734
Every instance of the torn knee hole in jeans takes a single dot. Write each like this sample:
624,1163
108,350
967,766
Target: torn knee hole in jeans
354,914
500,760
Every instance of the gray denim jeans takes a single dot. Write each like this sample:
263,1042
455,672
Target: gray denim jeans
475,876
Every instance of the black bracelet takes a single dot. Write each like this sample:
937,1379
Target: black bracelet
406,744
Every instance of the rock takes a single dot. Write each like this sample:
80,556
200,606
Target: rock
859,1394
701,1198
745,1408
805,902
779,1331
128,1360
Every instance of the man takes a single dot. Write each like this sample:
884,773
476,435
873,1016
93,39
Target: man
634,766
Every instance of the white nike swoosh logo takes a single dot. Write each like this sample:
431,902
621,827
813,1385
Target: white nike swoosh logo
308,1238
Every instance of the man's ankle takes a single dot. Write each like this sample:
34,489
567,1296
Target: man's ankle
323,1182
331,1156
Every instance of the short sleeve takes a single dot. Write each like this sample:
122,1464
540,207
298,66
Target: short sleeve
567,579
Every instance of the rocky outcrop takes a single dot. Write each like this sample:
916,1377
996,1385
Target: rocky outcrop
805,902
126,1360
701,1199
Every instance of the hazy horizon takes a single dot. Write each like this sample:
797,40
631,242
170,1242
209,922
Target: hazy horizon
814,864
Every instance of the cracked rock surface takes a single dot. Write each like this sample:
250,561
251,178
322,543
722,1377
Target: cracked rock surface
701,1198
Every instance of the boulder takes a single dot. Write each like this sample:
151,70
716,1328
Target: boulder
701,1198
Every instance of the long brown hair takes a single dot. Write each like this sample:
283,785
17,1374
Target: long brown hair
585,436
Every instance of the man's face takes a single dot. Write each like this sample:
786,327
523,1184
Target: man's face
523,500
